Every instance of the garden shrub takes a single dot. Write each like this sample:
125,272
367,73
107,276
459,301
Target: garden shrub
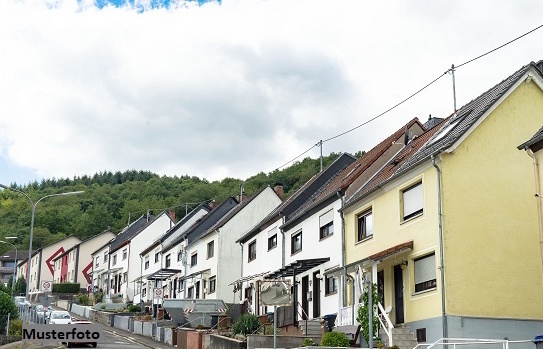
82,299
7,306
15,327
134,308
246,324
309,342
335,339
66,287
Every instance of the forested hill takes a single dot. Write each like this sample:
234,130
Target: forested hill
110,200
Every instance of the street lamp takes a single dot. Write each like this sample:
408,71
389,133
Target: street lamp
15,266
34,204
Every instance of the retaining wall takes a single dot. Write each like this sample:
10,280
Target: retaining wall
214,341
266,341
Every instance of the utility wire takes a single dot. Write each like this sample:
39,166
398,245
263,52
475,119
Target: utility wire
413,95
497,48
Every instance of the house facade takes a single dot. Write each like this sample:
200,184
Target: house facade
151,259
75,264
438,251
42,265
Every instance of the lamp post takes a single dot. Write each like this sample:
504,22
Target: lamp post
34,204
14,267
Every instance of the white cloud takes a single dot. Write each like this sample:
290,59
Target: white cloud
237,88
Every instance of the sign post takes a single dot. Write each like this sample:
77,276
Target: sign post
274,292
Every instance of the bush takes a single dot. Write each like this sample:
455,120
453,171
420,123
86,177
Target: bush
134,308
309,342
7,306
66,287
246,324
20,286
363,314
98,296
82,299
15,327
335,339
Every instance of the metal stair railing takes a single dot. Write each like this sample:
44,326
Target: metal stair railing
303,313
383,315
446,342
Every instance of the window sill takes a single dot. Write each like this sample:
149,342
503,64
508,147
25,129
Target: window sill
250,260
330,294
269,249
412,218
364,240
425,291
326,237
293,253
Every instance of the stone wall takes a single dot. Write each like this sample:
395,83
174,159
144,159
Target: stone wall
214,341
101,317
261,341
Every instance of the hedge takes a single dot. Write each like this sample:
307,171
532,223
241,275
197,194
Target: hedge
66,287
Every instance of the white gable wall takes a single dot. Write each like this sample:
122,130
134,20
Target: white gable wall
314,247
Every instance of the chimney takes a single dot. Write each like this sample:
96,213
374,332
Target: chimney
278,188
172,215
241,198
212,204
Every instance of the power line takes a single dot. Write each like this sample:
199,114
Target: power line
497,48
412,95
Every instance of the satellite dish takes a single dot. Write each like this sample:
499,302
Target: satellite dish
275,292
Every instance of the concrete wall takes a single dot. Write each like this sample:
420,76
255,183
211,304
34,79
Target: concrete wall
63,304
213,341
138,327
261,341
121,322
149,329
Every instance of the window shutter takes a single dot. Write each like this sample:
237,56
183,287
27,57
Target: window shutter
412,200
272,232
326,218
425,269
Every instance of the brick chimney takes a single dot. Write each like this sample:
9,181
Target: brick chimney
212,204
278,188
241,198
172,215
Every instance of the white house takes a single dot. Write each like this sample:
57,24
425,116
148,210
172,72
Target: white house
152,260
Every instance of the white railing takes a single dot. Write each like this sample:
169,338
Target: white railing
345,317
383,315
448,342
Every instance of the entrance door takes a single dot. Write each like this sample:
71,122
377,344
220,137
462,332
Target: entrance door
398,293
381,286
316,295
305,303
197,289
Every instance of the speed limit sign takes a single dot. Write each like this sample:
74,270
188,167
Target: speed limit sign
158,293
46,286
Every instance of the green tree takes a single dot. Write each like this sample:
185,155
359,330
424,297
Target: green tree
20,286
7,306
363,311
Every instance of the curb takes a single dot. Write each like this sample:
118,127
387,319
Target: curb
132,339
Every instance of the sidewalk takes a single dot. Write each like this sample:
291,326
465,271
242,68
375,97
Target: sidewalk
139,339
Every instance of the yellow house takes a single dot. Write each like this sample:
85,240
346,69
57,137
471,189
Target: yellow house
448,229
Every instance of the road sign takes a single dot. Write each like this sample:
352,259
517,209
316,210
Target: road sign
46,286
158,293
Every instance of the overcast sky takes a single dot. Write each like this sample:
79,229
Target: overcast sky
232,88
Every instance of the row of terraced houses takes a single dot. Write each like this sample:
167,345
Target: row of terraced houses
441,215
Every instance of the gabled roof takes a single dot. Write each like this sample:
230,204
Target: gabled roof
204,223
125,236
390,171
466,117
345,178
35,252
10,255
176,227
80,243
227,217
303,194
535,143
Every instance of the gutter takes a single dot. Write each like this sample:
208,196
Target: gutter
441,266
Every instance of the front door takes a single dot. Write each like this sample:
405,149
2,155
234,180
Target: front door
316,295
197,289
398,293
381,286
305,303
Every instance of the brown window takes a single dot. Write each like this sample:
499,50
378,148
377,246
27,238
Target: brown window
425,273
365,226
210,249
252,251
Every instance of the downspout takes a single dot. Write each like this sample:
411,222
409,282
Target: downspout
343,254
241,244
442,266
282,240
141,282
539,204
76,263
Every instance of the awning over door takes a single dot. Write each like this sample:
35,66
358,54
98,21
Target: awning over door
297,267
163,274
